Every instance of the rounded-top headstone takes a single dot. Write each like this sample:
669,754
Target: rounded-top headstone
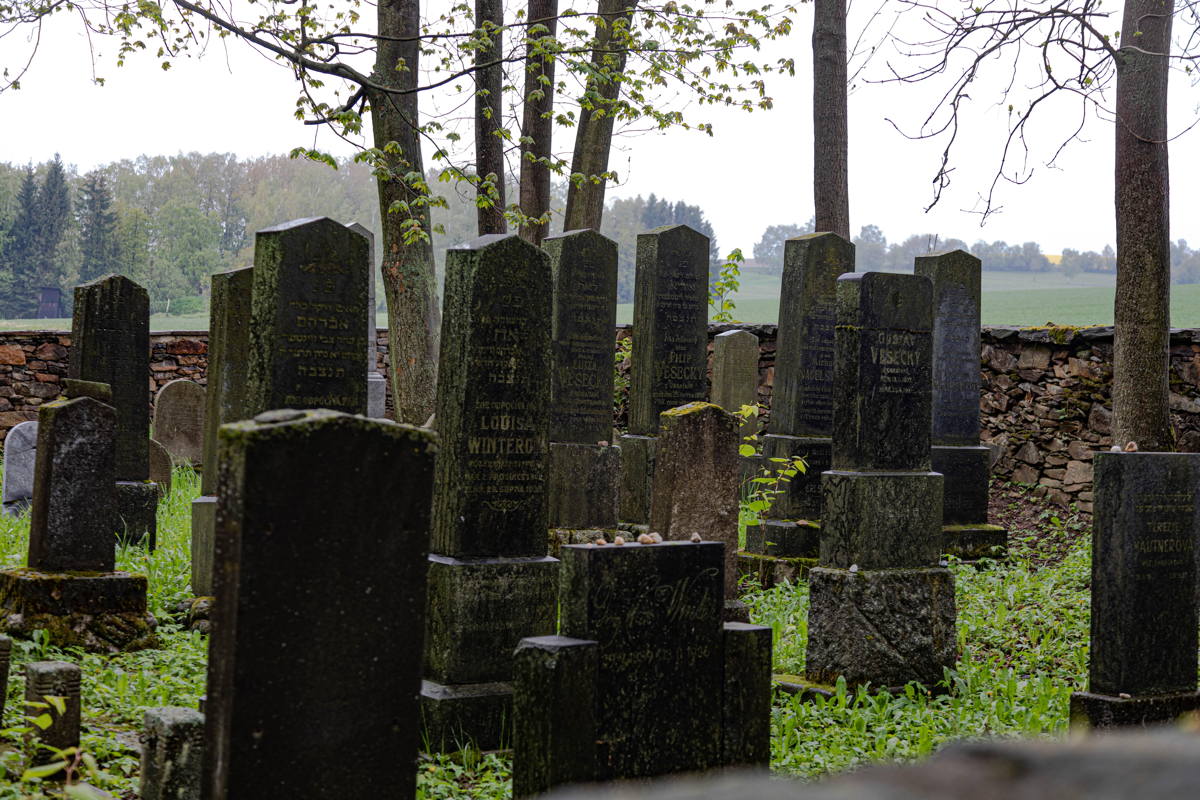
20,454
179,420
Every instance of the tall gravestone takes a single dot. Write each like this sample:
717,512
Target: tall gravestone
802,404
70,588
735,375
308,339
584,467
110,343
696,481
881,609
20,453
670,350
490,581
643,679
376,383
1144,609
179,421
225,401
956,452
315,653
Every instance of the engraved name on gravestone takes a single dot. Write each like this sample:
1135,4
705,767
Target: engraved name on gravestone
308,308
584,269
670,339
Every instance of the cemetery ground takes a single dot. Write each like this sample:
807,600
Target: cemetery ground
1022,636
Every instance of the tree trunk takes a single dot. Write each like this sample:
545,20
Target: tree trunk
537,124
1142,305
489,92
831,183
409,279
593,138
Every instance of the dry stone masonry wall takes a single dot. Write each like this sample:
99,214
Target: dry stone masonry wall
1045,404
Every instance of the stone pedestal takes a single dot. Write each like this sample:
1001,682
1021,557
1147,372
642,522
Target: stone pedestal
637,478
776,537
801,497
376,396
204,526
102,612
965,530
137,512
1091,711
881,520
477,610
770,571
885,627
581,492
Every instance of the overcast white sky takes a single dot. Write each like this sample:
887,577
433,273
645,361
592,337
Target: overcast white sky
755,171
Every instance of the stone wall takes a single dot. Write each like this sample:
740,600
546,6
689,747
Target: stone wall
1045,400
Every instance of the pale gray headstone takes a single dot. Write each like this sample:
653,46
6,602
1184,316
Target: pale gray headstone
179,421
735,374
376,383
20,453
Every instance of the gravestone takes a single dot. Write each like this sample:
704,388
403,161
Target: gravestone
322,533
69,588
172,754
20,452
802,403
643,679
225,401
881,609
179,421
735,375
584,467
307,337
1144,611
161,468
5,665
59,679
956,452
696,481
110,343
490,581
669,363
376,383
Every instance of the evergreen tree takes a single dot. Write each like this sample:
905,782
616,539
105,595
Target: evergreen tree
54,217
97,227
21,299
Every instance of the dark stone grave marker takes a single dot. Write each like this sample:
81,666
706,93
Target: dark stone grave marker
59,679
172,754
956,383
1144,608
490,581
309,572
881,610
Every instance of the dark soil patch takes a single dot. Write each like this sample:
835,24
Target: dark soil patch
1039,533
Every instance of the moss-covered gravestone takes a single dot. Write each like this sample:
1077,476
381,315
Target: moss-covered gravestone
802,401
225,401
696,483
60,680
70,588
881,609
670,350
584,465
308,340
490,581
376,383
1144,610
957,453
172,754
110,343
315,654
644,679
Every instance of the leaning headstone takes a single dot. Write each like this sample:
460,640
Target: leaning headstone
490,581
58,680
179,421
735,375
696,482
802,404
161,468
643,679
307,335
225,401
957,453
669,364
1144,609
584,467
881,609
69,588
376,383
172,754
20,452
110,343
312,563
